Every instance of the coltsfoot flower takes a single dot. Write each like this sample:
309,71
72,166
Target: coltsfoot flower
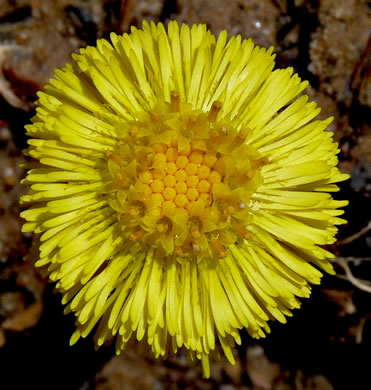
180,191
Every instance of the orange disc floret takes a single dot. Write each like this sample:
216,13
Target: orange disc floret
192,194
191,169
181,187
203,186
181,175
169,193
214,177
180,200
145,176
170,181
158,174
157,185
182,162
171,168
206,198
203,171
192,181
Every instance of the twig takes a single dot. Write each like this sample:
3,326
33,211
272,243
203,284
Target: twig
363,285
353,237
359,330
349,259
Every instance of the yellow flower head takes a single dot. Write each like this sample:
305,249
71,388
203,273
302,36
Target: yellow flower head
181,190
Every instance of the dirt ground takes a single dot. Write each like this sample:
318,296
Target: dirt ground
326,344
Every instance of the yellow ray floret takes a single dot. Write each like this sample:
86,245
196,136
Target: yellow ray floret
179,190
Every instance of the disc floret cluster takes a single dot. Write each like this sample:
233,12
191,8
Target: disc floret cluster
183,181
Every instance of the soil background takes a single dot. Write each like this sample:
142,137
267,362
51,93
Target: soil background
326,344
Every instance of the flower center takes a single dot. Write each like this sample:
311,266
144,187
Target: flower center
179,180
182,181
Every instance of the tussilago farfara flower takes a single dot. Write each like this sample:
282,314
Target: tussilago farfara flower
181,190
